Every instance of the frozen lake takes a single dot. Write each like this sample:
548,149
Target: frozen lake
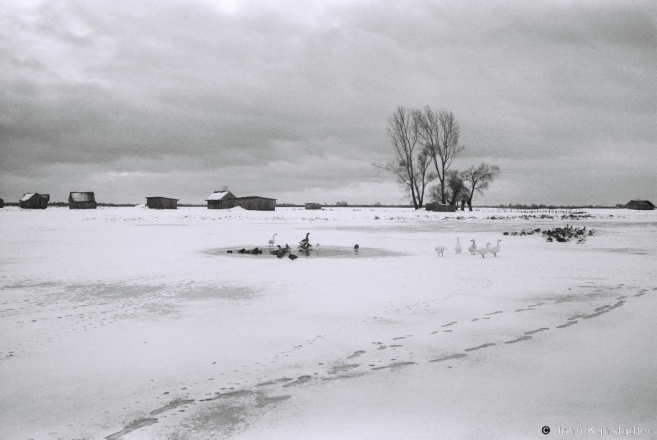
137,324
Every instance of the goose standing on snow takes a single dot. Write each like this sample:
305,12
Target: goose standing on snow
304,242
440,250
473,247
458,247
273,239
483,251
495,249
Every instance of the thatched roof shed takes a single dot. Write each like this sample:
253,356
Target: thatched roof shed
643,205
34,201
81,200
159,202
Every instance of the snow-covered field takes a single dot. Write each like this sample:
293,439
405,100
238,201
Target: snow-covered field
136,324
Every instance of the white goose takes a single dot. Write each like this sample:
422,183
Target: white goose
273,239
440,250
473,247
458,248
495,249
483,251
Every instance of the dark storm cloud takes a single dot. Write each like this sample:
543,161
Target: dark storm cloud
299,96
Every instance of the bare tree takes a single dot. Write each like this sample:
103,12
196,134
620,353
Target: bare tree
439,132
412,159
479,178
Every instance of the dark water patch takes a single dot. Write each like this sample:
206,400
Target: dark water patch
488,344
630,251
232,395
262,400
568,324
604,309
453,356
475,319
536,305
520,310
340,368
396,345
301,380
316,252
356,354
344,376
137,424
395,365
172,405
572,318
221,292
451,323
542,329
523,338
640,294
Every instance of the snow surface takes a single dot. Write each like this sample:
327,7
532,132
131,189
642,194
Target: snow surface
136,324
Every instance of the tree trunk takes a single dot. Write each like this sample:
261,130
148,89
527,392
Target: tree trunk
470,205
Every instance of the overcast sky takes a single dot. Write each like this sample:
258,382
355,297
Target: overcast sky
289,100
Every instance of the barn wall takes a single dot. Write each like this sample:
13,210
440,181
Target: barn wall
82,205
161,203
35,202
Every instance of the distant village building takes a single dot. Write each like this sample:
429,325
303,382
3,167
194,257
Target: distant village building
227,200
34,201
313,206
161,203
643,205
81,200
2,203
440,207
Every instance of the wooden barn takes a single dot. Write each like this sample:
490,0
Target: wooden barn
227,200
221,200
313,206
256,203
34,201
440,207
81,200
643,205
161,203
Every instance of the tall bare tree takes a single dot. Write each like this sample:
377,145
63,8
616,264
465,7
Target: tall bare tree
411,159
439,132
479,178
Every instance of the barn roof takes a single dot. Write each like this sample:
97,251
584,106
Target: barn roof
27,197
640,202
77,196
256,197
219,195
160,197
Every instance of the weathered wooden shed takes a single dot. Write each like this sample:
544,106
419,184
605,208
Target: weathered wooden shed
2,203
221,200
643,205
34,201
440,207
161,203
313,206
256,203
81,200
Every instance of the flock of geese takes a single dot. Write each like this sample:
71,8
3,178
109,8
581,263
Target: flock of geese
472,248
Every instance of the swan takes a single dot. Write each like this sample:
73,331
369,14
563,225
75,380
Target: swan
483,251
440,250
273,239
458,248
473,247
495,249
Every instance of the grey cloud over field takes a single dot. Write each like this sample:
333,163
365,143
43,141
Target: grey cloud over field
291,100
